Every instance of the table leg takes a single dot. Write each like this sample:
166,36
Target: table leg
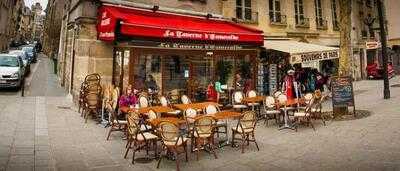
104,122
286,122
226,141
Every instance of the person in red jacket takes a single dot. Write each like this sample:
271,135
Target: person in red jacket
212,94
288,85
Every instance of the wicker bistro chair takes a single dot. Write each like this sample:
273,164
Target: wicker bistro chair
92,105
282,99
252,93
203,134
304,116
81,98
189,116
270,110
185,99
254,105
211,109
237,98
164,102
95,78
138,139
115,123
307,97
172,142
277,93
143,101
246,128
93,88
316,110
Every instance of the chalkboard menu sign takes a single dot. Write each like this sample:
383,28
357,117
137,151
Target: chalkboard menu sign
342,92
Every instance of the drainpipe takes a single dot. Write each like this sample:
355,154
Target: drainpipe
65,44
72,60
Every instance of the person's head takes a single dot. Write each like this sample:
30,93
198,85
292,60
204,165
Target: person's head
238,76
211,83
290,72
129,90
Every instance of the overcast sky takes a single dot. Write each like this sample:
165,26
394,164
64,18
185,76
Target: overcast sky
28,3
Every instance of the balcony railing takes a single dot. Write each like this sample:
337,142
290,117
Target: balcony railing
246,17
303,23
322,24
279,20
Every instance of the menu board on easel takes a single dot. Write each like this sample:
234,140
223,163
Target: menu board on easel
342,92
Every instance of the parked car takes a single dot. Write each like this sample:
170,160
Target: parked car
11,71
30,50
25,59
376,72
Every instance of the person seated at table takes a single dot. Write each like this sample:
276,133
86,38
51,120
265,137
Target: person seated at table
129,98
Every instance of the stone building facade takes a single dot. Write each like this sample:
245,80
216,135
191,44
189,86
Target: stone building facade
80,51
307,21
392,13
10,17
52,27
5,7
37,24
277,18
25,28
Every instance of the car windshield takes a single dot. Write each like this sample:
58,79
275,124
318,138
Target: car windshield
8,61
19,53
28,49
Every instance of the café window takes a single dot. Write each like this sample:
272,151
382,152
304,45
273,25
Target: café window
318,12
121,68
368,3
147,66
175,73
117,72
275,11
334,14
298,11
243,9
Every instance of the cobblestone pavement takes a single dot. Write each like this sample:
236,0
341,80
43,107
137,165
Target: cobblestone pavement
42,132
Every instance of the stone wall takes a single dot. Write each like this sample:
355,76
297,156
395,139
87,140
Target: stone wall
328,36
52,27
212,6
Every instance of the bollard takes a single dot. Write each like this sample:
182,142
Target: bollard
23,87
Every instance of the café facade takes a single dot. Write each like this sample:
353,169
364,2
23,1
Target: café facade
183,53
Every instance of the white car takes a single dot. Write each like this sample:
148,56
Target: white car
11,71
25,59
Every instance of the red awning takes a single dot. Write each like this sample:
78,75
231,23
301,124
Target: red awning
148,24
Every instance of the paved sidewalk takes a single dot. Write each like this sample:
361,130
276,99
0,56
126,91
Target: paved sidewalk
41,132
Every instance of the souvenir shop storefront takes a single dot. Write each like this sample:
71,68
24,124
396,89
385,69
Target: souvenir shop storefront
178,54
282,55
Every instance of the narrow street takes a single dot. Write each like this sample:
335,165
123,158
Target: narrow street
43,131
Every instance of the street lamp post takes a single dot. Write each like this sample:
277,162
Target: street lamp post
382,21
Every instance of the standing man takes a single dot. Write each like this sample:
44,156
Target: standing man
290,86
